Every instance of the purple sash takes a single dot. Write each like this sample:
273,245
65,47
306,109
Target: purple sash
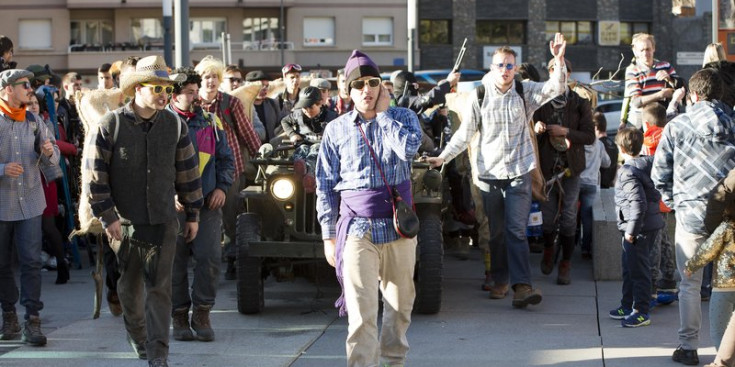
371,203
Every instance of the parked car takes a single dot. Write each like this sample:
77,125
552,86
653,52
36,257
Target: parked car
611,108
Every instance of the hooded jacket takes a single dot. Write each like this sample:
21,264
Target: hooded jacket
636,199
697,150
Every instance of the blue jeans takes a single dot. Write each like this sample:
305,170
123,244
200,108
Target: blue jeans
26,236
587,196
637,272
507,206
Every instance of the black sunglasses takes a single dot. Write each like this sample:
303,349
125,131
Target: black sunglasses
359,84
26,84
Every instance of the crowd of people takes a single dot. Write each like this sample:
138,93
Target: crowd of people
167,163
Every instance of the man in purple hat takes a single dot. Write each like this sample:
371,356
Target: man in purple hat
363,151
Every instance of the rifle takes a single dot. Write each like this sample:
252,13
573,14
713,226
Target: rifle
460,56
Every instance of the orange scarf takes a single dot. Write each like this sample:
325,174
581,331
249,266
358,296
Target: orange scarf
16,114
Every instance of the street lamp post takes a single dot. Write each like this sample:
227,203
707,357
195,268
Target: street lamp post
411,22
167,46
181,18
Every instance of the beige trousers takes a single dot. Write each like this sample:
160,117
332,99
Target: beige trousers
367,268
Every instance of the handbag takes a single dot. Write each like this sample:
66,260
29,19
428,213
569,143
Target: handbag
405,220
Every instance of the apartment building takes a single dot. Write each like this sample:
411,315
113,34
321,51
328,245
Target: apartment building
83,34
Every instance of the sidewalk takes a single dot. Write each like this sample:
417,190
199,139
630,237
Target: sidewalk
298,328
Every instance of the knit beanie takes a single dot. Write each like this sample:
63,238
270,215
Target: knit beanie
358,66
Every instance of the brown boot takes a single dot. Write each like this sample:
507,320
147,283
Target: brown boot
547,262
182,331
32,333
524,295
11,327
564,278
200,323
498,291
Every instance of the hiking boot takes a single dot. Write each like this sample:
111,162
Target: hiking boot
32,332
620,313
231,272
138,347
498,291
182,331
11,327
547,262
688,357
113,301
564,278
636,319
158,362
525,295
200,323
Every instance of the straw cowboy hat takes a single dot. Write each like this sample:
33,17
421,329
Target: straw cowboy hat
151,69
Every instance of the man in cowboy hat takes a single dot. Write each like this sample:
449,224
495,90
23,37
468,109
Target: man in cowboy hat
143,158
24,143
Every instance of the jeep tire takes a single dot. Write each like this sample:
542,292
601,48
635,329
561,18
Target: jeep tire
429,262
250,297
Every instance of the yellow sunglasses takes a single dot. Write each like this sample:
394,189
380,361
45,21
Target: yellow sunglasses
159,88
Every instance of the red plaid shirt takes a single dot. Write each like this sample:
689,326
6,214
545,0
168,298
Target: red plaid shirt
240,134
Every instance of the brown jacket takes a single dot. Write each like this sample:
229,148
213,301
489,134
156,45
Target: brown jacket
577,116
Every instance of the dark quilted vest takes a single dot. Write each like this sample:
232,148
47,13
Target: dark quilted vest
143,171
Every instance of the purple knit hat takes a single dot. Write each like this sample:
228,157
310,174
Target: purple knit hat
358,66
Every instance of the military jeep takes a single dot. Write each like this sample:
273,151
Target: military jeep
280,228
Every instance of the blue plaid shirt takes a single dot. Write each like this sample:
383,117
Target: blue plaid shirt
345,163
22,197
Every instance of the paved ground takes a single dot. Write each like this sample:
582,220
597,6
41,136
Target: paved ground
300,328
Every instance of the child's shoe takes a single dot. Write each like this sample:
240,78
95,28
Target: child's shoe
667,297
636,319
620,313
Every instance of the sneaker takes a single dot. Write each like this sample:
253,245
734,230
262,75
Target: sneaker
688,357
667,297
652,303
524,295
11,327
636,319
180,321
138,348
32,332
620,313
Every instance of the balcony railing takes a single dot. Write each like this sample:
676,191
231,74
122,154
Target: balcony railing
150,46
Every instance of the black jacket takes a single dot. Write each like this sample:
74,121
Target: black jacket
577,116
636,198
296,123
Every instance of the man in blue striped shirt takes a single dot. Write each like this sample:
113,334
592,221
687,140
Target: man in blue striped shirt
364,247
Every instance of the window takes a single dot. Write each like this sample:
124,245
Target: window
628,29
435,32
91,32
259,32
501,32
34,34
377,31
206,31
576,33
318,31
146,31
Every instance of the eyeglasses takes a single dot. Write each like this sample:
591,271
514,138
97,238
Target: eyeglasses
359,84
159,88
506,66
26,84
290,67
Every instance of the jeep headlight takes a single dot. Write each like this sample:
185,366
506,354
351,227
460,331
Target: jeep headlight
283,188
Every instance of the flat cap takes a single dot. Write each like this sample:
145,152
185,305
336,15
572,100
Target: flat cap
320,83
256,75
10,76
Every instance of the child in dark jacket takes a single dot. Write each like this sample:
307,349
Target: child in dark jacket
639,219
